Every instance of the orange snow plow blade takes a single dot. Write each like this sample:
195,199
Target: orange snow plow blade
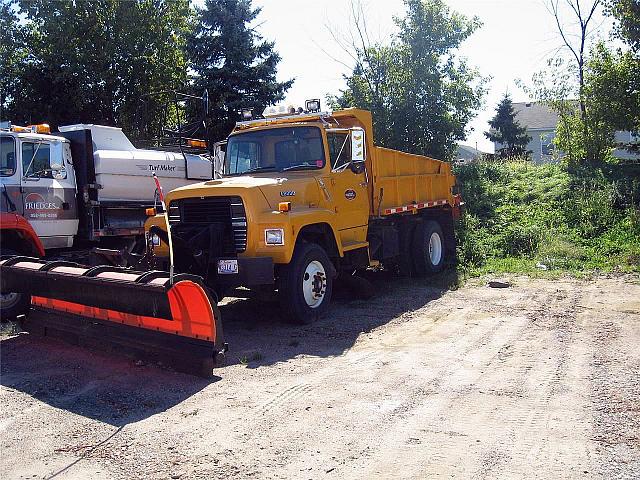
143,314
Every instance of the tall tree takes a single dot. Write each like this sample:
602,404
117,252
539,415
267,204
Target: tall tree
421,93
95,61
582,13
233,62
506,130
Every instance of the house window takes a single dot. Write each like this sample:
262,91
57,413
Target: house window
547,148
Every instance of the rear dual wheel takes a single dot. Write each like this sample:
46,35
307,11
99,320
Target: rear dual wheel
306,284
428,248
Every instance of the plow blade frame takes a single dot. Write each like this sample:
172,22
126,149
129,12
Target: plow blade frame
141,314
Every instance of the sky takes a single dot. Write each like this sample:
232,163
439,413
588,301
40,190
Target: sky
516,40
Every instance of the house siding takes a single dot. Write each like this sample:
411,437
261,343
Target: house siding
535,145
543,137
540,122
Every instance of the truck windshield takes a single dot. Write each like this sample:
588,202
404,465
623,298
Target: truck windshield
275,149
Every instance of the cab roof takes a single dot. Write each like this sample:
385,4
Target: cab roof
33,136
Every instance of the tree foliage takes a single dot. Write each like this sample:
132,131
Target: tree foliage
627,15
612,88
96,61
11,53
596,95
421,94
116,62
506,130
232,61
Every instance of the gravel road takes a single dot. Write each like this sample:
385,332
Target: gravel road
539,380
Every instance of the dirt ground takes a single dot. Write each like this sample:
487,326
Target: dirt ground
540,380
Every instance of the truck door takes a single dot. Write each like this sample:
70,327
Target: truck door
49,190
349,190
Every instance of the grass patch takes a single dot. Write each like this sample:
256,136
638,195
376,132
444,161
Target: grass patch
548,220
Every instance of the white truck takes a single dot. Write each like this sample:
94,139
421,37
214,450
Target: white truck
82,187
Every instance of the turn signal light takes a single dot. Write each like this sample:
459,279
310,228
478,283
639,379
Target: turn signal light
284,206
151,212
41,128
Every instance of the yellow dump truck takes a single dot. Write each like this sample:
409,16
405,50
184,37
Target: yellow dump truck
305,197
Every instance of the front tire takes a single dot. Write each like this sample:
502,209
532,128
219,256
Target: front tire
306,284
428,248
12,305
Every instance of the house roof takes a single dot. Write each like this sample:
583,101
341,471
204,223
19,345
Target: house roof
465,152
535,115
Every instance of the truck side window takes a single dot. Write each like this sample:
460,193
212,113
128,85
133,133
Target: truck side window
242,156
36,160
339,148
7,156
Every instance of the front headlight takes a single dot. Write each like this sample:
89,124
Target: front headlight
274,236
155,240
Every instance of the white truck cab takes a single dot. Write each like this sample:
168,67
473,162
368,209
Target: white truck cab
38,182
87,181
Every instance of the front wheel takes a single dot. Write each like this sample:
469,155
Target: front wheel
306,284
12,305
428,248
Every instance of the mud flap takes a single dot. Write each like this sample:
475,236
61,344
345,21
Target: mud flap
141,314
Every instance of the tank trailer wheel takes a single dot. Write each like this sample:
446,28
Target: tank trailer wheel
428,248
306,284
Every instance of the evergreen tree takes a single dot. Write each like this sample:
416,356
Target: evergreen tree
233,62
507,131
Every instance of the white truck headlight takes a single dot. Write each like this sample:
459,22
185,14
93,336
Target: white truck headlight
274,236
155,240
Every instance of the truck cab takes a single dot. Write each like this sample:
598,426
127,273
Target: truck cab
38,183
306,195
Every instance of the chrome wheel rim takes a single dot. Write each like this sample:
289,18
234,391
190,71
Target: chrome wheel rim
314,284
435,249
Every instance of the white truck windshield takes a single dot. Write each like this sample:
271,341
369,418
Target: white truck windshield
275,149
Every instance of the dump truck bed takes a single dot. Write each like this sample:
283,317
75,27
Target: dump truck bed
403,182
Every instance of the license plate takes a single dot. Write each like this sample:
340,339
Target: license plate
227,267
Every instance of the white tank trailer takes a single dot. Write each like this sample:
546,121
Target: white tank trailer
114,178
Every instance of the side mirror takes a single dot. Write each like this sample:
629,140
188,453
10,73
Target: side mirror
357,145
56,161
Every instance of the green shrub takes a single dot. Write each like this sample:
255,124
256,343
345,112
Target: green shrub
591,211
520,239
472,248
519,215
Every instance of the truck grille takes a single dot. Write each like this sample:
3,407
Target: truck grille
204,211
